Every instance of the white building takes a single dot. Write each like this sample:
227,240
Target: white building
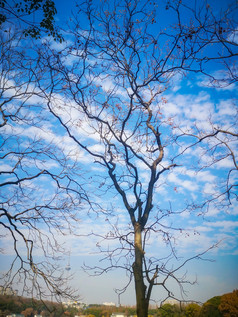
109,304
75,304
171,301
7,291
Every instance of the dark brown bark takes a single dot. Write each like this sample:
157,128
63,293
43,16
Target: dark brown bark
142,302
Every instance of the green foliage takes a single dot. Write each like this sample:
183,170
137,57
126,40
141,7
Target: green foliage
210,308
96,311
218,306
192,310
229,304
106,311
168,310
131,311
22,11
28,312
9,303
18,304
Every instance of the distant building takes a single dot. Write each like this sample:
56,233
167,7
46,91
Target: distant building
7,291
118,315
109,304
74,304
171,302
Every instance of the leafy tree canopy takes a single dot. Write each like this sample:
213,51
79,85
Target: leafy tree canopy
36,17
229,304
210,308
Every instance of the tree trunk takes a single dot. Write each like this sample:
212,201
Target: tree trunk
142,302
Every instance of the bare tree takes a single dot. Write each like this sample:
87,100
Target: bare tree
114,78
107,86
39,192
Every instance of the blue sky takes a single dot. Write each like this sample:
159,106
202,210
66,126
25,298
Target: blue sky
186,104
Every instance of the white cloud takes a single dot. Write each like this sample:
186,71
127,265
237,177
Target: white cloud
5,167
187,184
210,189
221,82
205,176
192,107
233,36
226,225
97,148
226,162
226,108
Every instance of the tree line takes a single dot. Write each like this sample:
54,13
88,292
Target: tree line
218,306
